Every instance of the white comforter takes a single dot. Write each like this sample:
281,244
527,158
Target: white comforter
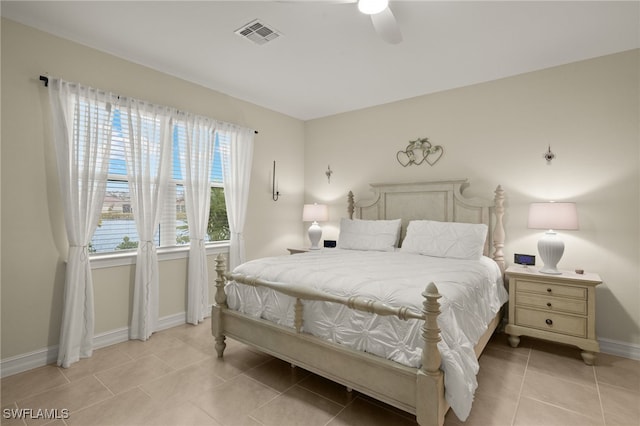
472,293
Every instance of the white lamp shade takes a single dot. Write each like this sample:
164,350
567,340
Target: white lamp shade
552,216
315,213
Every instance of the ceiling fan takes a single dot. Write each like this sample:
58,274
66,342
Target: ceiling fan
382,19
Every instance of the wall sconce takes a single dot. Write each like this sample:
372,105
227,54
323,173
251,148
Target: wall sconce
329,172
549,155
275,194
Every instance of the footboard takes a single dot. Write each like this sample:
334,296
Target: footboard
418,391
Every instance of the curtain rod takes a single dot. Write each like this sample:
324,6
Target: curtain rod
45,80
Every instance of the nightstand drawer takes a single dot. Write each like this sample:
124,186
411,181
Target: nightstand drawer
551,289
554,304
556,323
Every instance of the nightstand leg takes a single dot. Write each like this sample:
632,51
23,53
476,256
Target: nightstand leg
588,357
514,341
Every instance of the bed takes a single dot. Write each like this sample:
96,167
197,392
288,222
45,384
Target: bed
300,302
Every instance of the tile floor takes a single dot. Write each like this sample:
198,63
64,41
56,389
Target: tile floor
176,379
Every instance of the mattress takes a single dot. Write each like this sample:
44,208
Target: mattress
472,293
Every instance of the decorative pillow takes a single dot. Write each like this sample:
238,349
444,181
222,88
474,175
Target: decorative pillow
378,235
445,239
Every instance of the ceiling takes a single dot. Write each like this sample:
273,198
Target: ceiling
328,58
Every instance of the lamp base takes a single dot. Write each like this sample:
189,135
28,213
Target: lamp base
551,249
315,233
543,270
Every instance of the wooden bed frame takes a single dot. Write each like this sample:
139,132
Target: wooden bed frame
419,391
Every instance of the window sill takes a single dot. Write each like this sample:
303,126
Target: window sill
99,261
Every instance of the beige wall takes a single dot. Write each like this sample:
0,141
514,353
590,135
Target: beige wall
33,233
495,133
492,133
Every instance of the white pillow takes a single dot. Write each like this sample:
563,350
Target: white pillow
378,235
445,239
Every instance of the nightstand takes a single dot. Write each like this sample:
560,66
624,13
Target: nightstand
297,250
560,308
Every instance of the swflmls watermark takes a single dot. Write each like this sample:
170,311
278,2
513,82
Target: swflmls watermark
36,413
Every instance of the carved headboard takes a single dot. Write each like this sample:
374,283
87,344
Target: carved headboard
438,200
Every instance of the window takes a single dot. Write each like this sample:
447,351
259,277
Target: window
116,229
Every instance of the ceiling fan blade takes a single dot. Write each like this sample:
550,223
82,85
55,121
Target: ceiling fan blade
386,26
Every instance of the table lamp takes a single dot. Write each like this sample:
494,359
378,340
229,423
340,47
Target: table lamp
314,213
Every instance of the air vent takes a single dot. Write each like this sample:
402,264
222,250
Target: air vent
258,32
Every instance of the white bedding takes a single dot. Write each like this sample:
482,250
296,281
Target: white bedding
472,293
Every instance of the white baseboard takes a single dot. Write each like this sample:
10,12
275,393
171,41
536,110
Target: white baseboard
39,358
623,349
49,355
19,363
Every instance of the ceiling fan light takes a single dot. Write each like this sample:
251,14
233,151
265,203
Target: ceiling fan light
372,7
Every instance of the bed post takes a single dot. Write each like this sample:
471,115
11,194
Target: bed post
217,328
350,204
430,403
498,232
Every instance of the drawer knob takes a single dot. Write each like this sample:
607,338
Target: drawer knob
548,290
548,321
549,304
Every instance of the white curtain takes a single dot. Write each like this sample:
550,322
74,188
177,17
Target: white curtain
81,118
236,149
197,162
148,159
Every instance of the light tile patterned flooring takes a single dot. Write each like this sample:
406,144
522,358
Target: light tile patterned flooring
175,378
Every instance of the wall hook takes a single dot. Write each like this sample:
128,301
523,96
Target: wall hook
329,172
